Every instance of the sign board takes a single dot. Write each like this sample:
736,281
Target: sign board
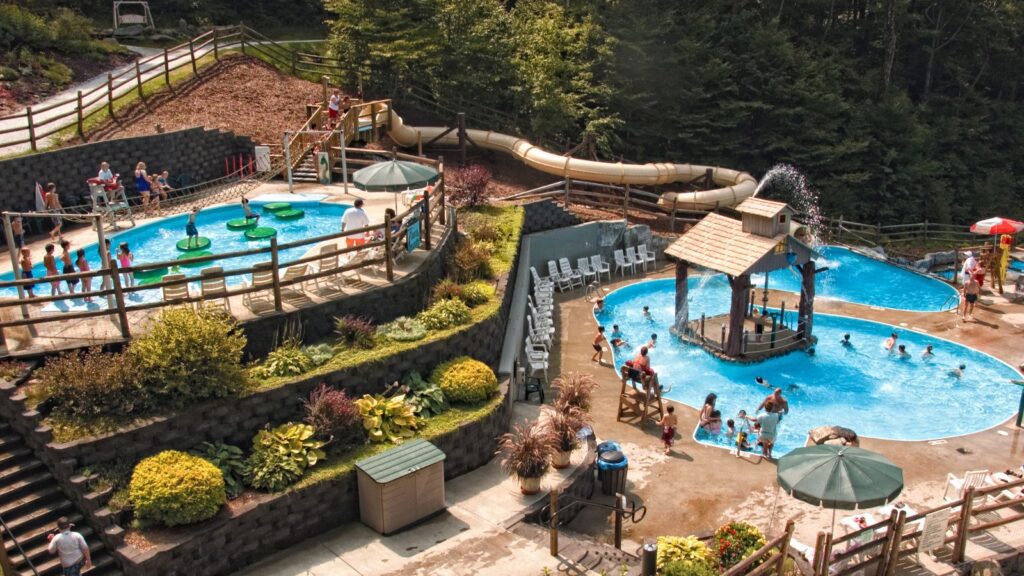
323,168
412,238
262,158
933,535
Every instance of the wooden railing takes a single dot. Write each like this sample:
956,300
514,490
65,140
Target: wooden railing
769,558
886,546
625,200
110,284
849,232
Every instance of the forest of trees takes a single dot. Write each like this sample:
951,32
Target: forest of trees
896,110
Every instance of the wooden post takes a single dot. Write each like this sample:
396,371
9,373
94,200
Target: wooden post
242,33
737,314
926,230
373,122
819,548
216,51
625,205
167,68
389,265
426,219
31,129
674,200
324,88
81,117
709,178
553,522
419,143
13,249
963,527
568,185
620,506
460,120
138,80
294,56
122,314
826,556
101,241
805,308
784,547
110,94
276,275
896,538
192,56
443,218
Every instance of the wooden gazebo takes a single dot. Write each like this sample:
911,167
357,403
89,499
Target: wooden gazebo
762,241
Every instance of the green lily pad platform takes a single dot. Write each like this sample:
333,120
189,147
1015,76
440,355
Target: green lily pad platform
194,255
260,233
201,243
277,206
289,214
150,276
147,281
242,223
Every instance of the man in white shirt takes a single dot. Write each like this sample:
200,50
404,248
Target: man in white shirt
353,219
71,548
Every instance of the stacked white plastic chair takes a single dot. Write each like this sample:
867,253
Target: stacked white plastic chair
574,276
600,267
621,264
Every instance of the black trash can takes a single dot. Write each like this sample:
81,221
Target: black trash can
612,466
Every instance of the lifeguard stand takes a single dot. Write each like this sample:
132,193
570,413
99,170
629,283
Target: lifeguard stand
640,404
132,17
109,200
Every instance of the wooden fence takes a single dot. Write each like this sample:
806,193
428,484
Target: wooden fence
896,235
378,255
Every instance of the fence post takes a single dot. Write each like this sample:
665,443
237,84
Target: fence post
625,206
568,185
167,68
373,122
895,537
192,55
216,51
276,276
110,94
674,201
426,219
620,508
138,79
31,128
81,127
819,548
784,547
324,81
122,314
962,527
241,30
926,230
553,522
389,266
293,56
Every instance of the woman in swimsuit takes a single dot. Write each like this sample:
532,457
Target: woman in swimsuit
143,185
707,409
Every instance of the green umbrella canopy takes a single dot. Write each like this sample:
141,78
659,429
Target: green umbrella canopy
394,176
839,477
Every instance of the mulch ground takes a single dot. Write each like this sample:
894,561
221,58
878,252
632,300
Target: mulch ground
239,94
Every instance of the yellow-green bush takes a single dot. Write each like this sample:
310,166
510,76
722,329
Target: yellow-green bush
466,380
684,552
174,488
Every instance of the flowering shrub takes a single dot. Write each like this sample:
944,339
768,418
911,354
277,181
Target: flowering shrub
471,261
735,541
333,415
466,380
445,314
682,554
467,186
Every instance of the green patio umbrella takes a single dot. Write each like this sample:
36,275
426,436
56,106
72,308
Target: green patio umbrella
394,176
839,477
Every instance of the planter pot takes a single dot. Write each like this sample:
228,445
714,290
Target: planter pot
560,459
529,486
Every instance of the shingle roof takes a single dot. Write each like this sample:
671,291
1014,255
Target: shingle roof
719,243
761,207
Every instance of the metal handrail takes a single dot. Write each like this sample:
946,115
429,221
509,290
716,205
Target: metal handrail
5,561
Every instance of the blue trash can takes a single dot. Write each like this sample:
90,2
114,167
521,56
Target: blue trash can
608,445
612,466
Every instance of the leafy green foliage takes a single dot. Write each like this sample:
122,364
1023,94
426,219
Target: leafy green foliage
11,370
354,332
90,384
403,329
471,261
387,419
174,488
334,416
445,314
230,460
477,293
286,360
281,455
187,356
466,380
679,555
319,354
735,541
446,289
426,398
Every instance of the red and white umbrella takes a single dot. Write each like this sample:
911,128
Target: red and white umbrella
997,225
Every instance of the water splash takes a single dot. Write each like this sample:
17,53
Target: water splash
786,182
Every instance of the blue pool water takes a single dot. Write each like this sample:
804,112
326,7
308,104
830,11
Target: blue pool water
155,241
862,387
852,277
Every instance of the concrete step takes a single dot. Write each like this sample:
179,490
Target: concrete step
9,440
14,454
582,551
19,470
40,495
16,489
49,565
44,516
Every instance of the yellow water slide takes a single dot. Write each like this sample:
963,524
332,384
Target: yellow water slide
735,186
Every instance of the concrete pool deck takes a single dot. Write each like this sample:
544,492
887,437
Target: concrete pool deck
68,334
699,487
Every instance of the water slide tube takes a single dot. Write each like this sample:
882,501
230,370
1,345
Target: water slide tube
735,186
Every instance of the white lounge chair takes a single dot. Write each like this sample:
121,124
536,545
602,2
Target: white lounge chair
177,293
536,368
583,265
354,259
561,282
645,255
971,479
294,278
622,264
541,283
534,351
599,266
328,261
214,290
542,335
634,257
262,283
574,276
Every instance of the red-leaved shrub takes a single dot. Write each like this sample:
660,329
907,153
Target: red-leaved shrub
333,416
467,186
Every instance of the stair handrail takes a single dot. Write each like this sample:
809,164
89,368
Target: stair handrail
5,561
622,511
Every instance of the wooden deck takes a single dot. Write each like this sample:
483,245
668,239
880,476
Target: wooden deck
756,346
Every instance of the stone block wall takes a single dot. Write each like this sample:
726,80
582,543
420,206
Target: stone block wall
546,215
195,153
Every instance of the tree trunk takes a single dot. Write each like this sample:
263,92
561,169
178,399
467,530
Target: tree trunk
890,45
737,314
806,306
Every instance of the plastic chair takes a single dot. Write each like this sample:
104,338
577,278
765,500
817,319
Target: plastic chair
634,257
583,265
177,293
214,290
574,276
561,282
599,266
622,264
971,479
262,282
647,257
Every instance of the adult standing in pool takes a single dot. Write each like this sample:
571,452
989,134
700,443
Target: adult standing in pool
142,185
970,266
775,402
705,412
768,426
353,219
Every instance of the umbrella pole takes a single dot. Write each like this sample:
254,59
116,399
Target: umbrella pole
832,525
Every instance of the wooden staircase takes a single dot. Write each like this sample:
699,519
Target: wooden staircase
305,171
30,504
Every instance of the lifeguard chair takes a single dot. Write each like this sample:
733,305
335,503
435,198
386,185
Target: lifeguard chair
108,198
138,14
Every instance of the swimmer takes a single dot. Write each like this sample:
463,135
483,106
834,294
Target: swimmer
903,352
890,342
846,341
618,338
762,382
810,351
730,428
598,306
652,342
927,354
958,372
647,313
598,349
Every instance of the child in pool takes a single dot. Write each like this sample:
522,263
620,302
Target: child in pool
124,260
190,228
50,263
26,270
927,354
83,266
714,423
730,428
742,442
248,211
903,354
846,341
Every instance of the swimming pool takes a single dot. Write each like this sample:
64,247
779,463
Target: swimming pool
852,277
861,387
155,241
